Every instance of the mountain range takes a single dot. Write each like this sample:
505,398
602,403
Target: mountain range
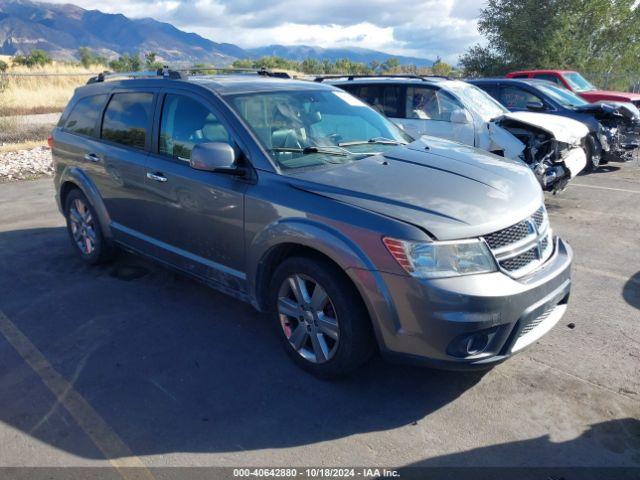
60,29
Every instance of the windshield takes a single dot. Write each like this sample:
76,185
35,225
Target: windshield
311,128
477,100
578,82
564,97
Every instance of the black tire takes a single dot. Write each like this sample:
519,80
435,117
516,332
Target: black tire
593,160
355,343
102,251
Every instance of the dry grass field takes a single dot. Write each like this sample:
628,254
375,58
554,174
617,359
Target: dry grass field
41,89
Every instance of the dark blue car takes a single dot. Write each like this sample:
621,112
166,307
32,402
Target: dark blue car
613,126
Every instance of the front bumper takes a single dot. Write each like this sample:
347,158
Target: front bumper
432,318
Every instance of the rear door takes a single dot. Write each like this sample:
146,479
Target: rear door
121,157
196,218
428,111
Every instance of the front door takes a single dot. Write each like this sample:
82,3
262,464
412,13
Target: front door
196,218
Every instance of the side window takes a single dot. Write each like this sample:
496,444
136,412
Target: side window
430,104
82,119
520,75
126,120
514,97
186,122
549,77
390,100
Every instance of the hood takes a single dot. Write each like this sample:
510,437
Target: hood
450,190
624,109
611,94
564,129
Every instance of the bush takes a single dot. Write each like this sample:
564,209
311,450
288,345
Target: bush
36,57
88,58
126,63
3,66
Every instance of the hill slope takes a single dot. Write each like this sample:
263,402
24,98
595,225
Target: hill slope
61,29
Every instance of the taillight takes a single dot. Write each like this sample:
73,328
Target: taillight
50,141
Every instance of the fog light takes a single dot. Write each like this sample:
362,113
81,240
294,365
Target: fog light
476,343
471,344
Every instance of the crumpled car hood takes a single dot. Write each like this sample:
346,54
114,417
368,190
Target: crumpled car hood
563,129
450,190
625,109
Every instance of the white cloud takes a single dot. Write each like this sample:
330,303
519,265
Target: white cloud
423,28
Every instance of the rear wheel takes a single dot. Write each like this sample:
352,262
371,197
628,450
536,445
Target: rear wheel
84,229
320,317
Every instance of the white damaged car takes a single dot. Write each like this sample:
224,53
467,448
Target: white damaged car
552,146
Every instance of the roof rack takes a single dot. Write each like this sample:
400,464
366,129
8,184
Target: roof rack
350,77
165,72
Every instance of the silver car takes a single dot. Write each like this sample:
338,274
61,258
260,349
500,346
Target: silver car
300,199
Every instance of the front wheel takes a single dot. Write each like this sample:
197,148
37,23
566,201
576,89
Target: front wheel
594,154
320,317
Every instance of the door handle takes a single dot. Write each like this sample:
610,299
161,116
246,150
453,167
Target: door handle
158,177
92,157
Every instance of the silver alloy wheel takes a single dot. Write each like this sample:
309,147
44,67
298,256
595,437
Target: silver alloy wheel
308,318
82,226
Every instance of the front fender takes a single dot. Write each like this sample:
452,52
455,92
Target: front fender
340,249
81,180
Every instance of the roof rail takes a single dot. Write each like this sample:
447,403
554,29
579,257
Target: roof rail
350,77
165,72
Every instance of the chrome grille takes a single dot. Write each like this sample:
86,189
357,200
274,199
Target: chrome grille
520,261
507,236
523,247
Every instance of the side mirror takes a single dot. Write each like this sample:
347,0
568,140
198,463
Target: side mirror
216,157
536,106
460,116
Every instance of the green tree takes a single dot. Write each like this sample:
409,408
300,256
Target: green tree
151,62
3,66
243,63
126,63
311,65
588,35
441,68
88,58
390,65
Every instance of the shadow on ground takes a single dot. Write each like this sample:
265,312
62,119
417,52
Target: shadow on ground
173,366
631,291
542,457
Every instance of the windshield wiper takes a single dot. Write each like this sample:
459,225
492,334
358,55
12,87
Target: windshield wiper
376,140
337,150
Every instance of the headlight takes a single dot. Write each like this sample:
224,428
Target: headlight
441,259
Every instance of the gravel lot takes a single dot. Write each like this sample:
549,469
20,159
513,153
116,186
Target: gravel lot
131,364
25,164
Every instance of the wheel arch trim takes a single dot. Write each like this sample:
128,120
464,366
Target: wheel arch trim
338,248
82,181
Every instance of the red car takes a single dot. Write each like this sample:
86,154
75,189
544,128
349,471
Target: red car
577,83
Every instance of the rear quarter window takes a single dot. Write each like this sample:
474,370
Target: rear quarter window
84,116
127,119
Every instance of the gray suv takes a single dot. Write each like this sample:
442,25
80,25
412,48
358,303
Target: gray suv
300,199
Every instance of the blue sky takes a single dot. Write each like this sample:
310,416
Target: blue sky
424,28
